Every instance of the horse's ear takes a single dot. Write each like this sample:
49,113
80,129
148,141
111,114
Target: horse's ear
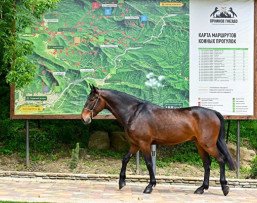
94,89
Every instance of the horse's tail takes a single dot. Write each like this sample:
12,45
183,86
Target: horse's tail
221,144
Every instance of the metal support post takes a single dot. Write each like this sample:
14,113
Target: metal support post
27,143
228,131
137,162
154,158
238,150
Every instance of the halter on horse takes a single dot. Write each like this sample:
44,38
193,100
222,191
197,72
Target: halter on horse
147,124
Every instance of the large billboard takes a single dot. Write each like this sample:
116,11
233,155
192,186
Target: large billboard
149,49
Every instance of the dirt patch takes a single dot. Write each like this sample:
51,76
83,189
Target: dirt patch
104,165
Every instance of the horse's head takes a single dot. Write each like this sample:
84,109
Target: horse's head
94,104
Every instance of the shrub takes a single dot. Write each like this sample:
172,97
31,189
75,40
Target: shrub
74,157
253,171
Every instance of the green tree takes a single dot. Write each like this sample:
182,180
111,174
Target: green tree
15,16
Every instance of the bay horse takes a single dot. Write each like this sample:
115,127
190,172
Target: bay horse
147,124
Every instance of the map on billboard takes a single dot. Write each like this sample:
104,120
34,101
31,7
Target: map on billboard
138,47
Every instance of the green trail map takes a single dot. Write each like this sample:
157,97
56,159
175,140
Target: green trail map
138,47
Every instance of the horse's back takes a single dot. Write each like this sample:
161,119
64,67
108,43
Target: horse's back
204,121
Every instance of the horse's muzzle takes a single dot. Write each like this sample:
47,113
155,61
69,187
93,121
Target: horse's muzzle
86,118
86,121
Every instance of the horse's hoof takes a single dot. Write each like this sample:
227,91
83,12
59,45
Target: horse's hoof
122,184
225,190
148,190
199,191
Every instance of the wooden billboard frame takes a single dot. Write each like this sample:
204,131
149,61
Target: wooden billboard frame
76,116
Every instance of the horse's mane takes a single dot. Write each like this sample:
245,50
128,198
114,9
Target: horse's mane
125,96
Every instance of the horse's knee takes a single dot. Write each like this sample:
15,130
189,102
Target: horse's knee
125,160
207,163
149,164
148,160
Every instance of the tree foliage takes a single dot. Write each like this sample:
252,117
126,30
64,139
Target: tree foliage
15,16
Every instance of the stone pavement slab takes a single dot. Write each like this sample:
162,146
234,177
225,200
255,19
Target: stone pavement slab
33,190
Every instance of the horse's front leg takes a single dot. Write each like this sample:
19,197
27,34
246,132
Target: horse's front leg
125,160
149,164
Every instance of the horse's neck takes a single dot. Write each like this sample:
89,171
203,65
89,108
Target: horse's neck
120,107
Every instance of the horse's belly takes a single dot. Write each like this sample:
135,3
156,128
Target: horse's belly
171,136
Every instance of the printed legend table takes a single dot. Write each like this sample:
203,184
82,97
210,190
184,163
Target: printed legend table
223,64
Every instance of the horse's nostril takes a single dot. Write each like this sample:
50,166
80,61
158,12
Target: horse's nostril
83,120
86,120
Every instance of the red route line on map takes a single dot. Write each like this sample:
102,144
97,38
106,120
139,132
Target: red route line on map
123,41
96,28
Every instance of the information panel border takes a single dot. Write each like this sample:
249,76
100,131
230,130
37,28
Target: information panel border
38,117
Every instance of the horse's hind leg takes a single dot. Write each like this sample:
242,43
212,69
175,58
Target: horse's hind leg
122,181
206,164
223,180
213,151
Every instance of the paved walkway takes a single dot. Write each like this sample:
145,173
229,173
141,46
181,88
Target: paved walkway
33,190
